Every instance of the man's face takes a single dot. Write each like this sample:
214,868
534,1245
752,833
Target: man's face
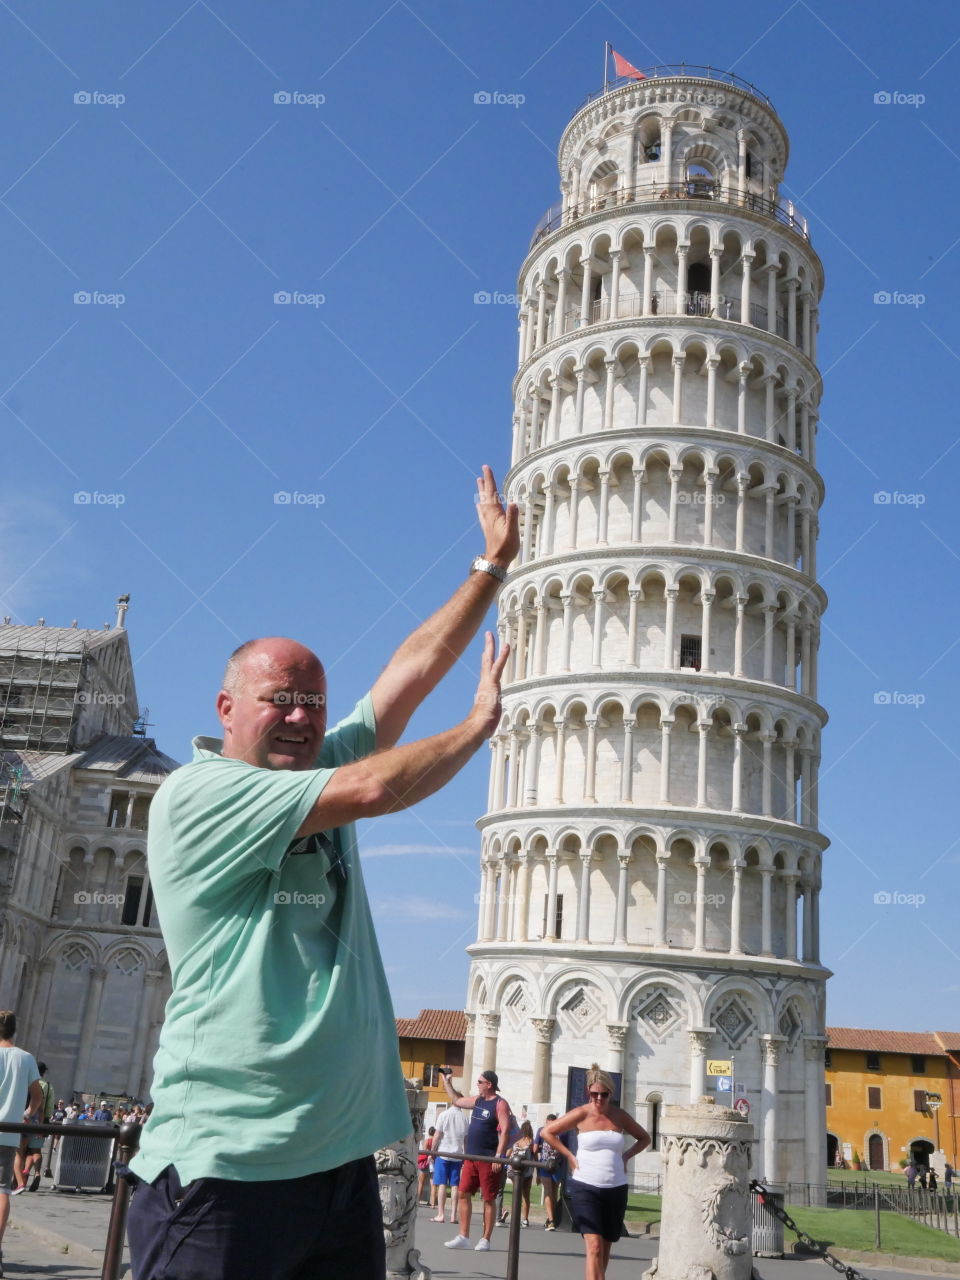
484,1088
278,717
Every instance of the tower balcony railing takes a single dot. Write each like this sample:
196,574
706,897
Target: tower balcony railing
682,70
665,303
702,190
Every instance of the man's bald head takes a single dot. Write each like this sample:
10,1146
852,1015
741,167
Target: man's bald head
278,652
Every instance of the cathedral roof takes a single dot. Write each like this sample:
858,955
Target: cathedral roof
61,639
434,1024
913,1042
131,758
38,765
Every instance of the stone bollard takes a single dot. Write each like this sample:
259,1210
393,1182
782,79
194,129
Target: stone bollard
397,1175
705,1222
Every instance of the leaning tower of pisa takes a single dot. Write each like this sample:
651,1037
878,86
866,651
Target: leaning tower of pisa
650,851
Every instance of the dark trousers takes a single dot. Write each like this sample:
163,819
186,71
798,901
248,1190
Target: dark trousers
326,1224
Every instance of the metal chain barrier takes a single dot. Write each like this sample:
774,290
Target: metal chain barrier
822,1252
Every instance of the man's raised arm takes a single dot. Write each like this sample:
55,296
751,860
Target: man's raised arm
427,655
391,780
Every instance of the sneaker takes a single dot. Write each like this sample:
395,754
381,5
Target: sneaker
482,1246
550,1227
35,1183
458,1242
18,1191
525,1222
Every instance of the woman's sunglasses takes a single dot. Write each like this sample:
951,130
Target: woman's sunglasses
604,1094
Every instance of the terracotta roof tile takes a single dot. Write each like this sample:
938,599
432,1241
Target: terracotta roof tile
873,1041
434,1024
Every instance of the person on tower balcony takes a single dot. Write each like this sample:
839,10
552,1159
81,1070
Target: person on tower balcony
488,1135
278,1074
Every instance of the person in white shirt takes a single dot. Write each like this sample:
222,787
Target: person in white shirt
19,1085
597,1185
452,1125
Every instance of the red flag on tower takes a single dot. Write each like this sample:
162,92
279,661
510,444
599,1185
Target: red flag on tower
625,68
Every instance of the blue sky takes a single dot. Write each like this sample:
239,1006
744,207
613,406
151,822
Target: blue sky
197,398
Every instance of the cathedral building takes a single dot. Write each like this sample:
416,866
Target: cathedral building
651,858
82,961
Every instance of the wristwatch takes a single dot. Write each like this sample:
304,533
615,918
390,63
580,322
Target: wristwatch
487,566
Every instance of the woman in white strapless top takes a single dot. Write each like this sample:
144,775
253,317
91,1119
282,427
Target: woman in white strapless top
597,1185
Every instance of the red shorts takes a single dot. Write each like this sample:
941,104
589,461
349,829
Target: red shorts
478,1175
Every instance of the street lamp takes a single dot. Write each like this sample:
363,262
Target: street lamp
934,1101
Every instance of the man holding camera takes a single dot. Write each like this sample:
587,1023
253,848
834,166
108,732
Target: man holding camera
488,1135
253,1163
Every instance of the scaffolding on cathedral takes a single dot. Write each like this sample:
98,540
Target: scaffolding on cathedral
38,694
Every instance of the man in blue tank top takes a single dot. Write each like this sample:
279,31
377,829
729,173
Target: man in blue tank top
488,1135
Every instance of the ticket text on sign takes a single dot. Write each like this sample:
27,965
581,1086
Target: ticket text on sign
718,1067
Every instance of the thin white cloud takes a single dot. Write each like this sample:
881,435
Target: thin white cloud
400,850
417,909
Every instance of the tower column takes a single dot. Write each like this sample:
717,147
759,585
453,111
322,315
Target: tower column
549,515
620,931
771,1048
769,615
521,909
703,727
587,264
736,909
661,939
766,930
610,364
739,733
540,646
700,905
712,365
541,313
490,1024
666,148
741,603
567,601
532,763
709,502
747,263
675,475
678,363
615,255
553,417
581,376
742,379
815,1114
590,782
488,899
636,515
561,726
643,390
772,269
553,859
604,514
626,765
583,898
714,282
635,597
91,1016
706,608
648,268
666,724
543,1034
682,251
559,315
766,803
699,1039
668,644
598,599
574,510
616,1046
790,910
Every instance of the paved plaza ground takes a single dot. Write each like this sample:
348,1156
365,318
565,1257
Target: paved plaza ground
60,1236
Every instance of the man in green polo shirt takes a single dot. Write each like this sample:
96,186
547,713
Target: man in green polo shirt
277,1073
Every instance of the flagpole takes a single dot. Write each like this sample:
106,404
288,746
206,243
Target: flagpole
606,59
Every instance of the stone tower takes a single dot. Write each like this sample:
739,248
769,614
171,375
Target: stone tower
650,851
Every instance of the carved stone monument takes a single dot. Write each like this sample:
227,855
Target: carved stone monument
397,1173
705,1226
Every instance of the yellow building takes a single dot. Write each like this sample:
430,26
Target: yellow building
431,1040
892,1096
